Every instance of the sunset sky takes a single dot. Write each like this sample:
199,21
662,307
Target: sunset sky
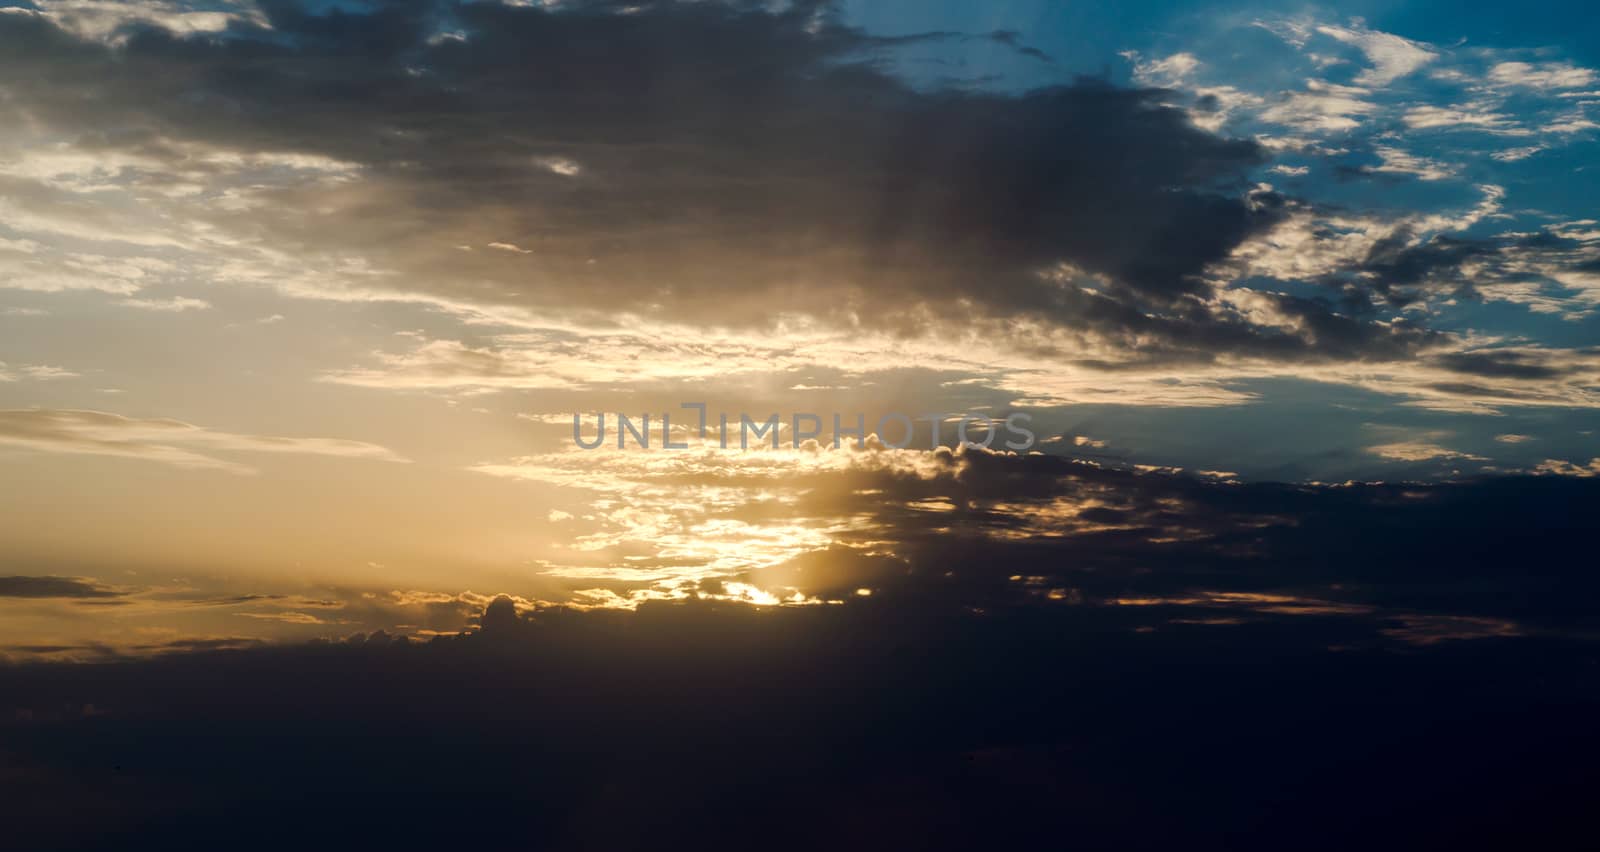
299,300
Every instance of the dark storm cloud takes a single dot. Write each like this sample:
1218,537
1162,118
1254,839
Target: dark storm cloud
870,726
988,529
1452,549
1145,640
708,162
1398,261
53,587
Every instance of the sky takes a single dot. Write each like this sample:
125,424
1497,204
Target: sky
1284,320
306,296
298,301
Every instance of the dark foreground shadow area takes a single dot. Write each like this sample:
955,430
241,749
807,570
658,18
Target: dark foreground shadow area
702,726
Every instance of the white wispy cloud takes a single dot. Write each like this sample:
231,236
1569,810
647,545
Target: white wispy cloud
162,440
1544,75
176,304
1391,56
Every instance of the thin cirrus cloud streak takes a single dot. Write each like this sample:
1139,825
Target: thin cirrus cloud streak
1036,364
160,440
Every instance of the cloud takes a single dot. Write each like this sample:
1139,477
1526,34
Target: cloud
1390,56
53,587
1169,72
1415,451
745,198
560,165
1512,155
989,568
827,198
1559,467
1089,228
799,526
114,20
1545,75
1321,108
1431,117
36,372
160,440
545,712
1396,161
290,617
41,272
177,304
